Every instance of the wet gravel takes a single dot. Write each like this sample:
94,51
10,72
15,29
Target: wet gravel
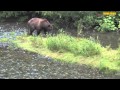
20,64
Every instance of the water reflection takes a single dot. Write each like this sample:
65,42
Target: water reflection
11,30
111,39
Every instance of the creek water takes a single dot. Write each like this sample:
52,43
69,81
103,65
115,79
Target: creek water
111,39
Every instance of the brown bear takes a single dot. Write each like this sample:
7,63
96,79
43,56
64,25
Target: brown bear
39,24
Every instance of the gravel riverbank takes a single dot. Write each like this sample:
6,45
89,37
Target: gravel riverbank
20,64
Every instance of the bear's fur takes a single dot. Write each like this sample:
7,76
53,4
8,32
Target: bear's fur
39,24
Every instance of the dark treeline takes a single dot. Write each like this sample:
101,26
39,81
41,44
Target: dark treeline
80,20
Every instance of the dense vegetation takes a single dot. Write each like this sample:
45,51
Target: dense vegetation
78,20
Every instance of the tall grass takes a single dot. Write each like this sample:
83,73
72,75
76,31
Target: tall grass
118,52
63,42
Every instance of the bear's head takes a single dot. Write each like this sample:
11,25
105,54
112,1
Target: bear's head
46,25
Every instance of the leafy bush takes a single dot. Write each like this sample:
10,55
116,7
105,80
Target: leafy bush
86,48
107,24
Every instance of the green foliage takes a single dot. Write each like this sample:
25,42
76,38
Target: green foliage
21,19
79,20
59,42
63,42
107,24
3,40
104,67
119,25
87,48
86,20
89,20
80,27
118,53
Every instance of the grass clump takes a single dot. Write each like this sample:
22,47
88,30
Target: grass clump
2,40
36,42
77,46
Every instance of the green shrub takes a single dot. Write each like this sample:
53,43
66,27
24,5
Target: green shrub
21,19
60,42
86,48
107,24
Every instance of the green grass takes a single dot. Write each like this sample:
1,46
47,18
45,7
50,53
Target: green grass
73,50
4,40
66,43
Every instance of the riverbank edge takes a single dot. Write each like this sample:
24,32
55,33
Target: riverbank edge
93,62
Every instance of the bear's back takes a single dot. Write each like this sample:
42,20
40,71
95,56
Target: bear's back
37,21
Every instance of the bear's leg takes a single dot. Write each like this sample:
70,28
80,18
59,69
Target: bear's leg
30,31
38,32
45,31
